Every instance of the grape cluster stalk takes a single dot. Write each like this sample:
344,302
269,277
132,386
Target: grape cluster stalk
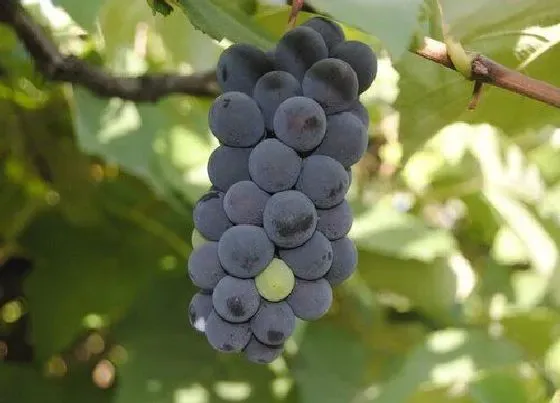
271,235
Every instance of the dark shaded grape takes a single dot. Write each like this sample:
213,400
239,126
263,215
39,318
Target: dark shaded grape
300,123
199,310
272,89
346,139
289,219
273,323
335,222
274,166
362,59
210,219
298,50
236,300
311,260
225,336
245,251
244,203
359,110
330,31
204,267
236,120
332,83
345,261
349,172
228,165
311,299
324,180
260,353
240,66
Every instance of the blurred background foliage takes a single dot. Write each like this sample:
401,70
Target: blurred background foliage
457,215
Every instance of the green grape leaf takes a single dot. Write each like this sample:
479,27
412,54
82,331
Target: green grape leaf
330,363
220,19
84,14
448,356
393,22
100,268
384,229
160,144
435,297
160,7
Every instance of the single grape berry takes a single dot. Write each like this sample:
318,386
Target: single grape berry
330,31
324,180
346,139
228,165
359,110
200,308
245,251
260,353
333,83
197,239
240,66
311,299
272,89
335,222
225,336
274,166
210,219
236,300
244,203
273,323
300,123
312,260
236,120
204,268
362,59
298,50
275,282
289,218
345,260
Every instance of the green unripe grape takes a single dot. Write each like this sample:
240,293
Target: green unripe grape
197,239
275,282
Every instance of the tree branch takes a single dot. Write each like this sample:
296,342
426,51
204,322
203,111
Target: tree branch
58,67
487,71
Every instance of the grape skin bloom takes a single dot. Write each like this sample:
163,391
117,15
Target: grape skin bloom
289,218
310,300
274,166
236,120
300,123
225,336
204,268
245,251
272,89
210,219
236,300
273,323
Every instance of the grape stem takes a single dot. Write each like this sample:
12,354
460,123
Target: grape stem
487,71
152,87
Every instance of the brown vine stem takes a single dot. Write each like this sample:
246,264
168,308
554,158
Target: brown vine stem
58,67
487,71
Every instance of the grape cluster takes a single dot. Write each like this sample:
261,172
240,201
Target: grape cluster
270,238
